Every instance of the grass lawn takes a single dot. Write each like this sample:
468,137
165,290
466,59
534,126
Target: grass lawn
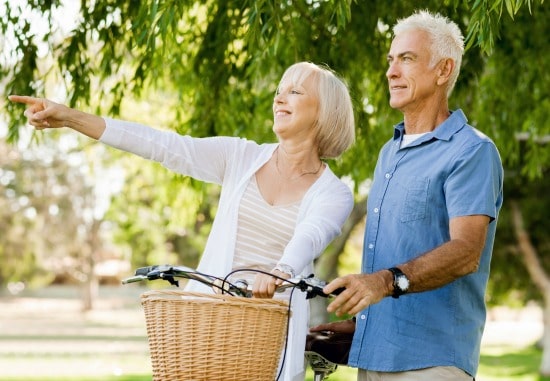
509,363
502,363
497,364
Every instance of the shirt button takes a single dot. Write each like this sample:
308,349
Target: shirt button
362,317
371,246
388,175
375,210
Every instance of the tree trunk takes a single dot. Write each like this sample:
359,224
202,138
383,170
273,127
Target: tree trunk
91,284
90,289
545,361
539,277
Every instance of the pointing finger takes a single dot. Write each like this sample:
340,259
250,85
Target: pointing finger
24,99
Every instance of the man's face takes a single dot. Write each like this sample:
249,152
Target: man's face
412,81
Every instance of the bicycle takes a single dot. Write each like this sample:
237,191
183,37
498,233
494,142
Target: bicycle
319,352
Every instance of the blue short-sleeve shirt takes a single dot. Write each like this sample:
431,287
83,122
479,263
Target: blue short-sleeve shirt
452,171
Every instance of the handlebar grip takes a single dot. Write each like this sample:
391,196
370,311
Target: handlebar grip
137,278
338,291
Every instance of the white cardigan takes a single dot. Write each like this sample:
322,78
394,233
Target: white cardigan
231,162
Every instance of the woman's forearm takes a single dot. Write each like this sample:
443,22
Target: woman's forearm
90,125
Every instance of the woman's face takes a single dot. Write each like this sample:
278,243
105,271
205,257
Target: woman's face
295,108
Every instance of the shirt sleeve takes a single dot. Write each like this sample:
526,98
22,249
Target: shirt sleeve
474,187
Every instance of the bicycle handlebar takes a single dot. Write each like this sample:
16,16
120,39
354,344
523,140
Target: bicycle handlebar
310,285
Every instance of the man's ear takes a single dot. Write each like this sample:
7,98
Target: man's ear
444,70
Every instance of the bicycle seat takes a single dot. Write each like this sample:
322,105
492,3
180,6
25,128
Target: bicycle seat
333,346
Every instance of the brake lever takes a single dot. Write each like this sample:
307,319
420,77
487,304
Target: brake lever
164,272
170,279
314,287
160,268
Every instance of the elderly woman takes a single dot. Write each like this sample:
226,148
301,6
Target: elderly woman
280,204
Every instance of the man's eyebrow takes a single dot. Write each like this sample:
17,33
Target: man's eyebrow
402,54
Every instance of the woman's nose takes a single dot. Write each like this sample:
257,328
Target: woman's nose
279,98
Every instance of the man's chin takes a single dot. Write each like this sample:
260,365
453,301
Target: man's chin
395,104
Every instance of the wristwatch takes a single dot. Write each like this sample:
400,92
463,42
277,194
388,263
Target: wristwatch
400,282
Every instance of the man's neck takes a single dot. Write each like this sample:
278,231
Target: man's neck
424,121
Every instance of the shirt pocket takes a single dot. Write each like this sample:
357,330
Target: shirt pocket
415,204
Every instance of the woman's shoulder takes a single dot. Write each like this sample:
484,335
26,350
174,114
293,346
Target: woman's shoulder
239,146
330,184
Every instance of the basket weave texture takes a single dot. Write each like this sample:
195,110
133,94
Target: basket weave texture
211,337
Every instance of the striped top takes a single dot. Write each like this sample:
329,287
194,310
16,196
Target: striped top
263,231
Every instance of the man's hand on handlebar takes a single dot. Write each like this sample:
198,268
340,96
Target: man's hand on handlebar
361,290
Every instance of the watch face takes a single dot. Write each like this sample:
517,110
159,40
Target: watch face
403,283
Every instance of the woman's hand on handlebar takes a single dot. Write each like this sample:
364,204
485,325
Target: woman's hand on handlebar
265,285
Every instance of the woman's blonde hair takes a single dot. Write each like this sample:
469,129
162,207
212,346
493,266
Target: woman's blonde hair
335,122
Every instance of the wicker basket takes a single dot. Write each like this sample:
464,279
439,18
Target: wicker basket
211,337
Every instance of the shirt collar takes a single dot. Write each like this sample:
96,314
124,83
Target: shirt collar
444,131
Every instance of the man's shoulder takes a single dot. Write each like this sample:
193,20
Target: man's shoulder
467,130
470,136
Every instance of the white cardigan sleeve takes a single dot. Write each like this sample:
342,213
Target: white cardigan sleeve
324,211
200,158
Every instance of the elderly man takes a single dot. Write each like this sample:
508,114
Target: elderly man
432,214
